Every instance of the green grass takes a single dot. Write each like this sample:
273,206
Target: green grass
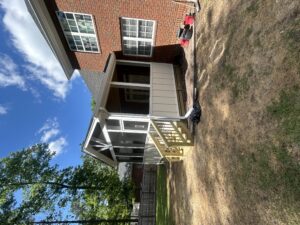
163,216
272,172
287,112
257,43
240,87
248,32
292,36
253,8
229,77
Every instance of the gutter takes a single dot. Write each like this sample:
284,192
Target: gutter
171,118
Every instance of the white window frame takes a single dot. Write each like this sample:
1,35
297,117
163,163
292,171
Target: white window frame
137,39
78,33
122,127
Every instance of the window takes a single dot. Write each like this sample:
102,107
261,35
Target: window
79,31
137,36
127,126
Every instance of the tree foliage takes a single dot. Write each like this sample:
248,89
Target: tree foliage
31,185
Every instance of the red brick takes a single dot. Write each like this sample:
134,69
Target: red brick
107,14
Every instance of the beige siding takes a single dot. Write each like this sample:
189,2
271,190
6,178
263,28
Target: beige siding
163,90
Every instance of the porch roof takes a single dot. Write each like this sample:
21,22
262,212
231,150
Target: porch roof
98,83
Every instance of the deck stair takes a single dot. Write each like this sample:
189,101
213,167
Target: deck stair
172,139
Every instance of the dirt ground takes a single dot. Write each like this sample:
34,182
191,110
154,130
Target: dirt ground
247,52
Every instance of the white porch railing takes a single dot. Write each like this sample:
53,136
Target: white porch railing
172,139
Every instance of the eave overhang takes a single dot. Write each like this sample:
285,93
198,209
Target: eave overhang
44,22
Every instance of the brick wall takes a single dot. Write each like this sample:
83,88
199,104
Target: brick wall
107,13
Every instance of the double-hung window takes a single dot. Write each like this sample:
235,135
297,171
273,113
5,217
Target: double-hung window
137,36
79,31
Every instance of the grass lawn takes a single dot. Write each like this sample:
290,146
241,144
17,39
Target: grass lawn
245,167
163,216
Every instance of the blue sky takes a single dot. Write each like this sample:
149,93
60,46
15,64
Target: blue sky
37,102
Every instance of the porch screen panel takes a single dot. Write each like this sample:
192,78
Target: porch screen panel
127,139
132,73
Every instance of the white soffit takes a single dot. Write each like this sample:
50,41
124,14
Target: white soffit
104,87
43,20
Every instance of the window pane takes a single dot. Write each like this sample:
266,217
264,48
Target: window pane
87,18
149,23
133,22
149,29
76,38
142,34
71,42
130,47
126,33
133,125
82,24
129,151
89,27
86,43
82,27
131,28
144,48
95,49
127,139
65,25
113,124
74,29
142,23
72,23
79,17
61,15
69,16
78,42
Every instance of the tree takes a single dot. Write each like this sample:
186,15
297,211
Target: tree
48,189
113,203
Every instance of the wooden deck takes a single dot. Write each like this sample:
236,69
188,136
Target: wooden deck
172,139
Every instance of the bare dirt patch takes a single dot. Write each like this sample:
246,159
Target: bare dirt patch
243,169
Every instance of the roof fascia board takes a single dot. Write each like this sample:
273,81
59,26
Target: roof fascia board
43,20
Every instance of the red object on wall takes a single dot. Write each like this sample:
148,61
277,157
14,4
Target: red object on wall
184,42
188,20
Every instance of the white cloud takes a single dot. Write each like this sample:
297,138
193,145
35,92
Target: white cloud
50,134
75,74
49,124
26,37
47,135
9,75
58,145
3,110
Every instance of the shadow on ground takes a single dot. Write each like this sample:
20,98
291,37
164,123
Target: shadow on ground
243,169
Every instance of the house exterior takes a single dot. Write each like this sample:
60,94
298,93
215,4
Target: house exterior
124,50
